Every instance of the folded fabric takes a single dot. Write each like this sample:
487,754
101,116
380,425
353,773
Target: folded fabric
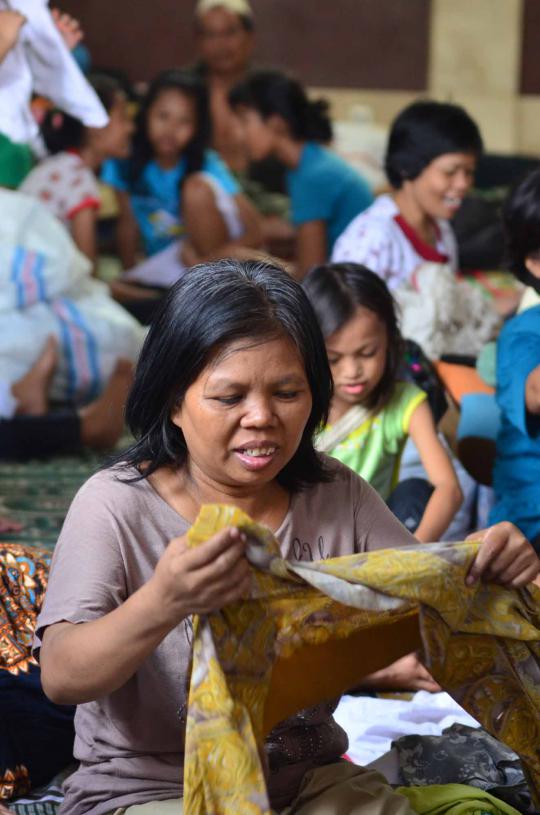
334,621
466,755
454,799
36,735
23,579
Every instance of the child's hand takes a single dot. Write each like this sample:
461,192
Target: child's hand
11,23
203,579
505,557
68,27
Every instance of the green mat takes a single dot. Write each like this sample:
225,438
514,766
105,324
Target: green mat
38,494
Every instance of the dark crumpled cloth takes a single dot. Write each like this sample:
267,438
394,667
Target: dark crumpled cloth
464,755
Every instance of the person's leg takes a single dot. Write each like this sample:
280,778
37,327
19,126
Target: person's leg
35,733
348,789
205,225
97,425
408,501
30,391
26,437
171,806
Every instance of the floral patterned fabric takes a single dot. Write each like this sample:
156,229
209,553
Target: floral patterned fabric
310,629
23,580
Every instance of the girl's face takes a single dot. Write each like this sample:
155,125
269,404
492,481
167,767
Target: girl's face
440,188
171,123
244,416
113,140
357,354
258,134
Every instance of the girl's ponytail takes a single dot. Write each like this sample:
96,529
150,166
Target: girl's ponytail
60,131
318,126
274,93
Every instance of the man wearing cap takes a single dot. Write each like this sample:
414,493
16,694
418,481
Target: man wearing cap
226,40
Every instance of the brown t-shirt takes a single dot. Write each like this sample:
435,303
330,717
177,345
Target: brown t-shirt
130,743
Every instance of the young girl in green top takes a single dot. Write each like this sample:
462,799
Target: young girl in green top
372,411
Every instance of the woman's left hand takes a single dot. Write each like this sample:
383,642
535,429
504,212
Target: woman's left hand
505,557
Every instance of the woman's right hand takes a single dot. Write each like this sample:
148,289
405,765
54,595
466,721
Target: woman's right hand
204,578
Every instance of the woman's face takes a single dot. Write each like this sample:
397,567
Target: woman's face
440,188
171,124
244,416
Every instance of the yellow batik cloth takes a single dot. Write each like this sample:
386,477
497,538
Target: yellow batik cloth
310,631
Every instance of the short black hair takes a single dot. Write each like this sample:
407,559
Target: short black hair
521,222
189,84
422,132
335,291
61,131
275,93
211,306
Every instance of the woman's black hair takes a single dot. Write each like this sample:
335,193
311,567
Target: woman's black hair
188,84
211,306
521,222
335,291
274,93
60,131
422,132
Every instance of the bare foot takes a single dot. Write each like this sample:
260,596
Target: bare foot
31,391
102,421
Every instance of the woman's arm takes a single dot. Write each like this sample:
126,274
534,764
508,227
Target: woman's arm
311,246
82,662
127,231
83,231
447,496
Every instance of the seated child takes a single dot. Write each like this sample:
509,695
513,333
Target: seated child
172,187
517,464
326,193
372,412
66,181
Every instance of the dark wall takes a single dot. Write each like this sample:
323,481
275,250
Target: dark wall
378,44
530,64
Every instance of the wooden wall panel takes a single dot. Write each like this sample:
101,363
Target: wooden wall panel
530,64
373,44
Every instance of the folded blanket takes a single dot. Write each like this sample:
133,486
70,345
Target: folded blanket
337,619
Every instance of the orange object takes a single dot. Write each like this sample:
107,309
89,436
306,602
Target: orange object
461,379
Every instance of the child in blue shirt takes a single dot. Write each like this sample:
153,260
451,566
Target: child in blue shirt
516,476
326,193
172,187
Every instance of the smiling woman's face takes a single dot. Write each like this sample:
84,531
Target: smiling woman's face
244,416
440,188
